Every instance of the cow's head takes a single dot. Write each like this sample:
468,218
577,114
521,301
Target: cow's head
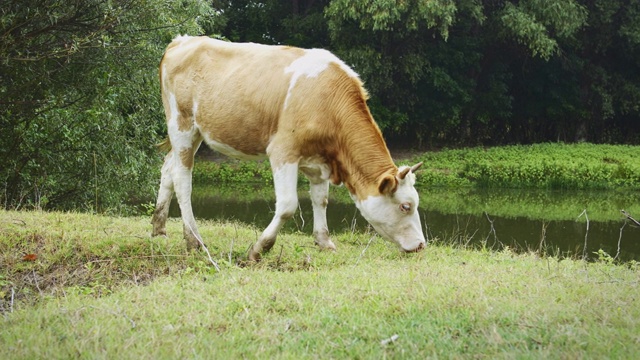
393,211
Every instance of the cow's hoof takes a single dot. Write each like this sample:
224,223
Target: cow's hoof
324,241
327,245
193,244
254,256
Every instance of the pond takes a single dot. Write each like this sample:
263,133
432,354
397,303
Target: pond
560,223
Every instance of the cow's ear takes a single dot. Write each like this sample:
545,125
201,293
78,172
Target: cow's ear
403,173
405,170
387,185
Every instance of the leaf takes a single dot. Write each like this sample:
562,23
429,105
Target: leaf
30,257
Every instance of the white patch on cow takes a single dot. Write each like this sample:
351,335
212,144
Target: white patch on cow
180,140
385,214
194,109
311,64
286,177
182,38
285,180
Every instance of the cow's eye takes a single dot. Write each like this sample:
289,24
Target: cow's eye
405,207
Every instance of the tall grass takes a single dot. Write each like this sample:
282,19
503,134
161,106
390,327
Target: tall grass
546,166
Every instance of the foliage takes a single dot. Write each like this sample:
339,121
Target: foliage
80,99
542,166
551,166
470,72
209,172
80,109
83,295
298,22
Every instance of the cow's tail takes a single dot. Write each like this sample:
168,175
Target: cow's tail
164,145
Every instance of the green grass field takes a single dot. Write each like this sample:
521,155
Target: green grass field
88,286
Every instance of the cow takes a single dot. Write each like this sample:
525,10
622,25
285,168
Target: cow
303,109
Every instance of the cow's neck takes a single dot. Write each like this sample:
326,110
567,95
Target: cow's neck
363,160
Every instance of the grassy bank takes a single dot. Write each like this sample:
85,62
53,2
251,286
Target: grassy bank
543,166
98,287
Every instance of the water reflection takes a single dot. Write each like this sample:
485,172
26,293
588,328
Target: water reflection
559,223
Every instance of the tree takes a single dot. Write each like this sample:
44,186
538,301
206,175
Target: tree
443,69
80,99
297,22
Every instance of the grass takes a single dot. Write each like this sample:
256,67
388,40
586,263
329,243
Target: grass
545,166
99,287
540,166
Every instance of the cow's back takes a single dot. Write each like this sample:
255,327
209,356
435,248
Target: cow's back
246,98
236,91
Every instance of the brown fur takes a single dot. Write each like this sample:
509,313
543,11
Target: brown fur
241,94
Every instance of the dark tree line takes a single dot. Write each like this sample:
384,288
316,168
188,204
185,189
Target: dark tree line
80,110
470,72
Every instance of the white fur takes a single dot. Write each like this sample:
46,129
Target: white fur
319,200
383,212
180,140
285,179
311,64
194,109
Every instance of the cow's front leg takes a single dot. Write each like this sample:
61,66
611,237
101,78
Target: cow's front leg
319,200
285,181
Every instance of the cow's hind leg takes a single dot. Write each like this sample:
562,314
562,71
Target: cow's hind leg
319,199
165,193
181,172
285,179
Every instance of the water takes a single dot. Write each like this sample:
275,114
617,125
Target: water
558,223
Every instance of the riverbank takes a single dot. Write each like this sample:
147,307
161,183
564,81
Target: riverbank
80,285
542,166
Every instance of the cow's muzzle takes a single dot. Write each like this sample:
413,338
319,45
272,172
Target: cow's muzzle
417,249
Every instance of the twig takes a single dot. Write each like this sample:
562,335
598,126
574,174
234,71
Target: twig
628,216
354,221
13,295
393,338
620,239
584,250
365,249
543,237
301,217
470,238
204,247
279,256
35,280
492,231
426,228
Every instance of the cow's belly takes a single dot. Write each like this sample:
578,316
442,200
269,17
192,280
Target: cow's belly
234,152
315,168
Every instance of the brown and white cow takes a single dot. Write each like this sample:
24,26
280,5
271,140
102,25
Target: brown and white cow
303,109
